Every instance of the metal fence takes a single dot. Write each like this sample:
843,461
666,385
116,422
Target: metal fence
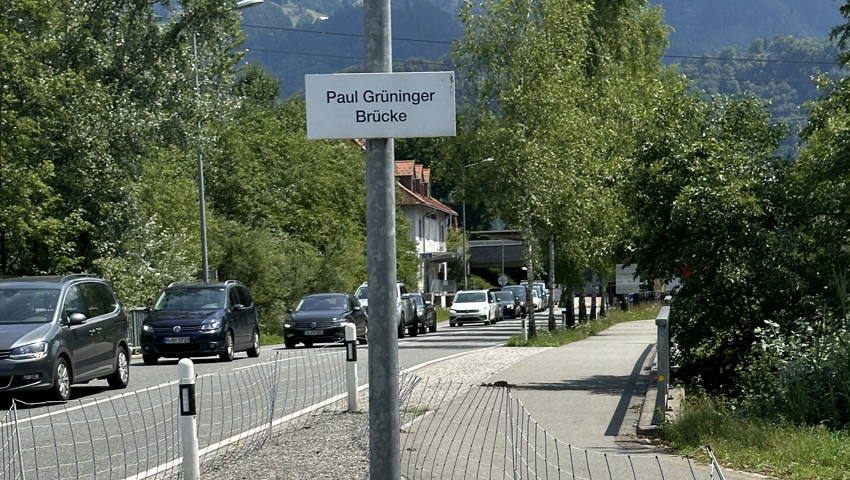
482,432
448,429
135,435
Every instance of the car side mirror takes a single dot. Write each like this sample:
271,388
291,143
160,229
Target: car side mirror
239,306
357,308
405,296
77,319
288,310
427,302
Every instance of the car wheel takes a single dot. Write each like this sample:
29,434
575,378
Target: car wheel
289,344
433,327
452,324
254,351
413,331
227,354
150,359
61,380
308,344
121,376
361,341
401,328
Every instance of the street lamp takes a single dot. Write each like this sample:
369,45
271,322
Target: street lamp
464,215
205,268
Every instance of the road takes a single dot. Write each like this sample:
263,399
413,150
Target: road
105,433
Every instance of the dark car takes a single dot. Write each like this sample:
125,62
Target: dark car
510,304
520,294
58,331
320,318
201,319
426,314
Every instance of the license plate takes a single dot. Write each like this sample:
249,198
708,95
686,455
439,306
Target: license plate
314,332
176,339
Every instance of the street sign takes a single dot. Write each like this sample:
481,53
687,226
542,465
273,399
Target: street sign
627,279
380,105
503,280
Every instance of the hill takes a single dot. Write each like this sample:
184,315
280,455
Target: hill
292,40
710,25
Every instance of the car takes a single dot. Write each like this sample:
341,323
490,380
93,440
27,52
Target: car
405,308
57,331
540,288
520,293
473,306
426,314
510,304
201,320
321,318
536,300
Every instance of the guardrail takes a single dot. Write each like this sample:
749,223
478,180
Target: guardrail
662,323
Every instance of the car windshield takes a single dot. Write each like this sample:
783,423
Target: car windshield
417,299
321,302
507,296
518,291
470,297
181,299
361,293
27,305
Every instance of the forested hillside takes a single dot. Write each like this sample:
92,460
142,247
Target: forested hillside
709,25
422,36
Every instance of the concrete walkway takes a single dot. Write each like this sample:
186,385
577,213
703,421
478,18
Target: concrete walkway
587,393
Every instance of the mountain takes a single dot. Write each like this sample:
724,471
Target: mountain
320,36
705,26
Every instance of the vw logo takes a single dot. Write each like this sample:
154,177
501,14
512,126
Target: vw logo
176,329
313,325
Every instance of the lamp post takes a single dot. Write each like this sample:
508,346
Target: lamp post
464,215
205,268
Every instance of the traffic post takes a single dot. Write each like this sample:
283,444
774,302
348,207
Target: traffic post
188,421
351,366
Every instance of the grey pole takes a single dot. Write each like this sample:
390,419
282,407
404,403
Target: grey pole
551,282
202,202
532,327
464,236
384,434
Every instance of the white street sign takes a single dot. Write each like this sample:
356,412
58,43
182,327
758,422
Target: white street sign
380,105
627,279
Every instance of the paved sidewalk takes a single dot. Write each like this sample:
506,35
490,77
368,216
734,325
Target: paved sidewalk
587,393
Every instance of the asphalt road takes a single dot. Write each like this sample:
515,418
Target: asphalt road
105,433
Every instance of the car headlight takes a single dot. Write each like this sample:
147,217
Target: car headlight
287,325
147,328
32,351
211,325
452,310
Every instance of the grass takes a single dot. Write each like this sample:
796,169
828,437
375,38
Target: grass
780,450
442,314
563,336
268,339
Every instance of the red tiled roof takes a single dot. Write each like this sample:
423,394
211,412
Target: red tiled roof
410,198
404,167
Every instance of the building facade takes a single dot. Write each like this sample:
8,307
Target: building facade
430,220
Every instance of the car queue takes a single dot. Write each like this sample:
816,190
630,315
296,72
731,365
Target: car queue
58,331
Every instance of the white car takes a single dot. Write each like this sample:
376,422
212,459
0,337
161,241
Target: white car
473,306
538,302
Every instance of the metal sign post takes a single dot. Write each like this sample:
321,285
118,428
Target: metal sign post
384,434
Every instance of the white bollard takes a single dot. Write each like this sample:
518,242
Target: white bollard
351,366
188,426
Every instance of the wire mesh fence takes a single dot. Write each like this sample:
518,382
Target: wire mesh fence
135,435
482,432
448,429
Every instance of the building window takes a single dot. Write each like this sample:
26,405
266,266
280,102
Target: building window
420,228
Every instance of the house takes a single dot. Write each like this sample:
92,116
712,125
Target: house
429,223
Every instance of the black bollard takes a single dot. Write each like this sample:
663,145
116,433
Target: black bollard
582,309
